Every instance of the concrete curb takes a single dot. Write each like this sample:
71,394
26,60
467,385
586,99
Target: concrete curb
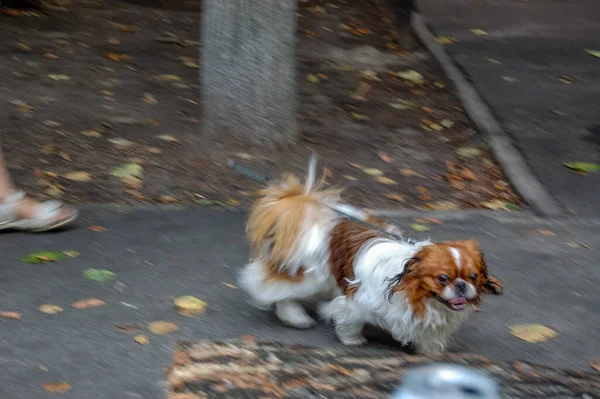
511,160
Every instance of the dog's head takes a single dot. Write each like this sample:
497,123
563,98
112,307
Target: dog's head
453,273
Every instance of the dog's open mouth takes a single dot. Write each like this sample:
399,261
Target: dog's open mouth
456,304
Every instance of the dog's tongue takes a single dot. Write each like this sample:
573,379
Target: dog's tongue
458,301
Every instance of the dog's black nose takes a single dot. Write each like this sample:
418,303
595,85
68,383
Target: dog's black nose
461,287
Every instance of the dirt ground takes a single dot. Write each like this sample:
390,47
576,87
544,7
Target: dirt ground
100,84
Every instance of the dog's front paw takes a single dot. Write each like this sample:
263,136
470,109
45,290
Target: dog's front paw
357,341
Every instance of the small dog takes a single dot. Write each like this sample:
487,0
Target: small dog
303,249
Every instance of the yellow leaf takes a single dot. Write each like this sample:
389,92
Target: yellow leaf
71,254
168,138
547,233
87,303
373,172
532,333
57,387
91,133
385,180
351,178
395,197
48,149
141,339
230,286
50,309
479,32
169,77
447,123
189,305
312,78
495,205
445,40
59,77
429,125
412,76
316,9
78,176
162,327
370,75
419,227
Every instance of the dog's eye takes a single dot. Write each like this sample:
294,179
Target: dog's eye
443,279
473,276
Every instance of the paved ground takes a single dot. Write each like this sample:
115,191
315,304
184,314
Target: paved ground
535,42
159,255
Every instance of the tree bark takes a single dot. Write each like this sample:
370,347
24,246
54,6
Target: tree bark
248,71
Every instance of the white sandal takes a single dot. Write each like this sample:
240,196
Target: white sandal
46,215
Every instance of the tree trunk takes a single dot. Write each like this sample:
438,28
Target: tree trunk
248,71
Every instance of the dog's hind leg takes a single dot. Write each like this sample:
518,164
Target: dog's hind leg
291,313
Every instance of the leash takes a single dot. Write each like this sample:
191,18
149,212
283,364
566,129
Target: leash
264,179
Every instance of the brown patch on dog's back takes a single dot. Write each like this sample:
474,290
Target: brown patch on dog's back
274,274
346,240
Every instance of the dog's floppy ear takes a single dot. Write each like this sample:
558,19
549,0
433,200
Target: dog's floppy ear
490,285
395,283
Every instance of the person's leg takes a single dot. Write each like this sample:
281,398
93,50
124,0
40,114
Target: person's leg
26,207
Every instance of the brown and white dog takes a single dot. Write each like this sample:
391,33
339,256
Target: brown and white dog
303,249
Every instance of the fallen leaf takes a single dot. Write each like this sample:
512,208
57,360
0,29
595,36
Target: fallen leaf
107,93
385,157
447,123
583,166
532,333
428,220
595,364
445,40
468,174
401,104
361,91
419,227
162,327
429,125
189,305
23,47
51,123
510,79
412,76
557,112
50,309
71,254
373,172
99,275
123,27
595,53
230,286
78,176
565,79
370,75
191,64
91,133
87,303
410,173
154,150
113,40
327,172
316,9
439,85
362,32
59,77
166,137
141,339
351,178
385,180
395,197
128,171
149,98
117,57
479,32
53,191
57,387
468,152
424,197
547,233
42,256
65,156
443,206
98,229
312,78
127,328
356,165
10,315
359,117
48,149
494,61
169,77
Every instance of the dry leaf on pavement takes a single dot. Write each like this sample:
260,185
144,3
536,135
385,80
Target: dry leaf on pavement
410,173
98,229
87,303
445,40
395,197
468,174
373,172
595,53
479,32
385,157
510,79
532,333
595,364
78,176
127,328
442,206
385,180
189,305
420,227
546,233
233,287
141,339
162,327
57,387
91,133
166,137
71,254
10,315
351,178
50,309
